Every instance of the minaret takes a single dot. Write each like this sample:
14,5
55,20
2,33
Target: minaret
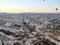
23,20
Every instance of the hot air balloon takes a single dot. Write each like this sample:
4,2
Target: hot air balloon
56,9
44,0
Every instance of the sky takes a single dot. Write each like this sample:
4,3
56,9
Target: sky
18,6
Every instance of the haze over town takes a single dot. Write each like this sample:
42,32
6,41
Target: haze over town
19,6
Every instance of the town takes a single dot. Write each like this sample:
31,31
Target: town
29,30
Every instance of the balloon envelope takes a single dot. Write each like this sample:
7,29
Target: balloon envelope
56,9
43,0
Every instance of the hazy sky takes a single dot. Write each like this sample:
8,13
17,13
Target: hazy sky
29,5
